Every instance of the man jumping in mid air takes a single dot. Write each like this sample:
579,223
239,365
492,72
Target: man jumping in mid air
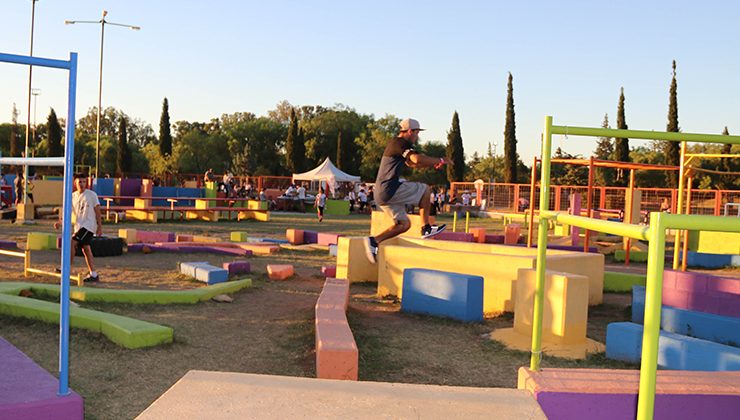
392,195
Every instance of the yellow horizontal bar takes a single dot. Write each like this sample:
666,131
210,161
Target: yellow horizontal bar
12,253
615,228
643,134
711,155
695,222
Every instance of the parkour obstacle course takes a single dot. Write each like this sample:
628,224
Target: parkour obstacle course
655,233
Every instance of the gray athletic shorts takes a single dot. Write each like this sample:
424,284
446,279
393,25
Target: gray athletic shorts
408,193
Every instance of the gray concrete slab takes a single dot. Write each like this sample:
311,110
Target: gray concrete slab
225,395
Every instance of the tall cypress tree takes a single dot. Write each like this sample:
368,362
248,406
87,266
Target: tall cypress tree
621,145
672,149
510,136
340,151
165,136
604,151
299,150
55,135
14,132
290,161
123,158
455,152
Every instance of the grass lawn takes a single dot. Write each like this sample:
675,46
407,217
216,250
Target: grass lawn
268,328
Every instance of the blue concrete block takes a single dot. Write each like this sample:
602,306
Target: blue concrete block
210,274
189,192
453,295
717,328
678,352
188,268
704,260
274,241
163,192
310,237
104,186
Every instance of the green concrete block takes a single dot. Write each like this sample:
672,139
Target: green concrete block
622,282
238,236
635,256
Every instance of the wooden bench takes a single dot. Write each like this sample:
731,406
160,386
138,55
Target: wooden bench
337,356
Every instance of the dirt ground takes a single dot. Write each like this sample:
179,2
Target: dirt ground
267,329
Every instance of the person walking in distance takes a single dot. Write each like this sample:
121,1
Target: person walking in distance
87,223
392,195
320,203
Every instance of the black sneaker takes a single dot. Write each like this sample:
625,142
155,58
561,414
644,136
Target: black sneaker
91,279
428,230
371,249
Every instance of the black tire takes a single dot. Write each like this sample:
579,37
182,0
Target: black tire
103,246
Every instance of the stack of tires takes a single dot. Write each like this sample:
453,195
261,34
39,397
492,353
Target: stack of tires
104,246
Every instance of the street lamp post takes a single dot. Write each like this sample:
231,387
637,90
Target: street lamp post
102,23
28,113
35,92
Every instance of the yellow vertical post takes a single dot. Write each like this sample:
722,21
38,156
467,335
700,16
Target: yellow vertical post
651,331
539,297
467,221
679,205
454,220
26,262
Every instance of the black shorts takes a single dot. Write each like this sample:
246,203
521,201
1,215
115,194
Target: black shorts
83,237
321,210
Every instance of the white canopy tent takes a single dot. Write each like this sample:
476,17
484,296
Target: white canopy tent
328,173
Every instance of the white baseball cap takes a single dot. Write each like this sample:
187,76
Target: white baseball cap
410,124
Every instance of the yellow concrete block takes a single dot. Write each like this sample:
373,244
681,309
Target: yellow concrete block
352,264
497,264
142,203
129,235
37,241
257,205
205,215
142,215
25,211
203,204
205,239
238,236
259,215
379,221
566,306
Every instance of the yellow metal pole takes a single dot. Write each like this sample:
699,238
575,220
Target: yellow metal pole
454,220
679,205
651,331
539,297
467,221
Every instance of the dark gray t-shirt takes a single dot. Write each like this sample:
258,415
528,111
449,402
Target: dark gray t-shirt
394,157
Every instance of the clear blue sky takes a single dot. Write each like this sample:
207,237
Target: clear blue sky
423,59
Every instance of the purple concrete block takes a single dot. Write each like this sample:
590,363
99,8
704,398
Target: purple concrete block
455,236
310,237
494,239
576,406
29,392
228,251
8,244
326,238
669,279
702,302
329,271
130,187
729,307
237,267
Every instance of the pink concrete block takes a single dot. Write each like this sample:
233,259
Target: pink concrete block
328,238
455,236
691,282
337,356
724,285
676,298
729,307
329,271
279,271
294,236
237,267
512,233
151,237
702,303
669,279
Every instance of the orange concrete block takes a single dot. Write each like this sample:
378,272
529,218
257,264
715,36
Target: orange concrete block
184,238
294,236
512,233
337,356
279,271
479,234
260,249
